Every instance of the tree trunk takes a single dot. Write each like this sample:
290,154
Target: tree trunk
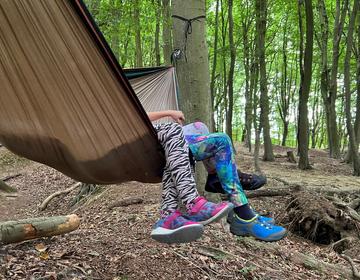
248,94
261,15
214,64
193,67
138,47
350,128
303,130
15,231
157,33
115,33
329,83
229,115
166,31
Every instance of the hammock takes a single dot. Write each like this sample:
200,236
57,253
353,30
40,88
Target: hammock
64,99
156,88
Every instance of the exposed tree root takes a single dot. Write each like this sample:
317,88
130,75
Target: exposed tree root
45,203
320,220
86,190
298,258
356,273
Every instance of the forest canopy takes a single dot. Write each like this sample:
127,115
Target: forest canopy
271,52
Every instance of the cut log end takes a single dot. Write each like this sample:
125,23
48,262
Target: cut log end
16,231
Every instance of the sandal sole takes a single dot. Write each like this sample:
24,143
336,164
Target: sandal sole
183,234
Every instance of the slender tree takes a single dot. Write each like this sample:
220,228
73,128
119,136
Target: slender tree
246,25
214,64
166,31
138,47
261,15
305,83
157,5
230,108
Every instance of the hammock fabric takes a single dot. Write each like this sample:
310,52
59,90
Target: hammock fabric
156,88
65,101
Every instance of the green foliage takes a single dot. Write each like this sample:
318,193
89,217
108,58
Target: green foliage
116,20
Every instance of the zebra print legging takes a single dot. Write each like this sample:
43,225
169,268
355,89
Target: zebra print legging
178,181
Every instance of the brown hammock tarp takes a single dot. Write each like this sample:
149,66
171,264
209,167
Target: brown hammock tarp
156,88
64,100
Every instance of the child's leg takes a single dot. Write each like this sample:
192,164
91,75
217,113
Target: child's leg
217,149
177,178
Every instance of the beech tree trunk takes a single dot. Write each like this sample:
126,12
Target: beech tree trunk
261,16
349,125
214,64
329,75
157,34
248,94
166,31
138,47
16,231
193,67
229,115
303,130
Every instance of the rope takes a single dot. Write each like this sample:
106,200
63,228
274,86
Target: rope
188,30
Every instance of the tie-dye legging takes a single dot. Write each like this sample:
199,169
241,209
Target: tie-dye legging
215,150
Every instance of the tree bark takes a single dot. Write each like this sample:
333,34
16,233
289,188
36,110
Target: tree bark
248,93
229,115
157,33
15,231
329,75
214,64
350,128
261,15
138,47
166,31
193,67
303,129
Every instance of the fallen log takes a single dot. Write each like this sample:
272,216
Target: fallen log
16,231
47,200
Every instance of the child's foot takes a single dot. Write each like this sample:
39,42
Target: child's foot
176,229
263,219
205,212
257,228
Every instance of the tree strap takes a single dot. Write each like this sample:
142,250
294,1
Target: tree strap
188,30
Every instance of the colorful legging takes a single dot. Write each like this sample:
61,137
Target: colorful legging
216,152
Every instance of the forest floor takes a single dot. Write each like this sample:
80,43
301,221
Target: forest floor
114,242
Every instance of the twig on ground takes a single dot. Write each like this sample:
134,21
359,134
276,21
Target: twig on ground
45,203
334,244
7,178
354,270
